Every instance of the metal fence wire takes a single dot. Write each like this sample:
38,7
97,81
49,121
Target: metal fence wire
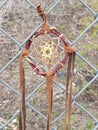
86,111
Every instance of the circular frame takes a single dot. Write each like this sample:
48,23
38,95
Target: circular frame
60,64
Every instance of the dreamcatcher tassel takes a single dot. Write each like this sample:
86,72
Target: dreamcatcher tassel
69,80
49,76
22,116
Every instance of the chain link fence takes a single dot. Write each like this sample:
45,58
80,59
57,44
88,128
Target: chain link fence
86,63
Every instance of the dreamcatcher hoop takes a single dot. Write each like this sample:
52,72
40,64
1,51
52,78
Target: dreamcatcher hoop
69,54
59,65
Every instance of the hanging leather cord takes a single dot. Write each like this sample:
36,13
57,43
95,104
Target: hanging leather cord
22,116
45,27
72,60
41,13
49,76
69,80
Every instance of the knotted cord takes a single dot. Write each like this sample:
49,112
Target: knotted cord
45,27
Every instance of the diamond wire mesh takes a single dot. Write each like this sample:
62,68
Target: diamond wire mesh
3,126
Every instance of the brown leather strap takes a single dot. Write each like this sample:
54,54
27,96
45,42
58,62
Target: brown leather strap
22,116
71,59
41,13
45,27
69,80
49,76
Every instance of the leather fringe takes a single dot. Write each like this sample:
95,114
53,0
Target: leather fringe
49,76
69,81
22,116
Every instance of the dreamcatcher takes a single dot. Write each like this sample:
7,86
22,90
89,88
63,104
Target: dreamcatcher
47,51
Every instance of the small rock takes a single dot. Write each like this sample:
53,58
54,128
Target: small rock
36,125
